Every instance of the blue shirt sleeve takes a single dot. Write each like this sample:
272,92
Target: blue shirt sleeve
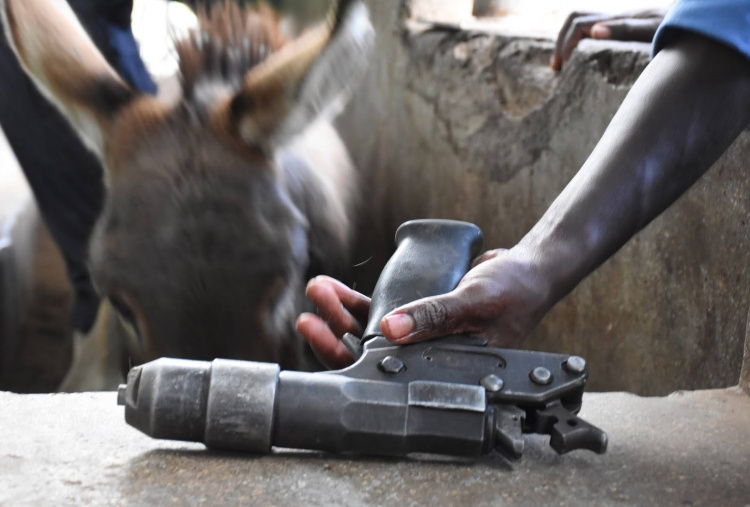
726,21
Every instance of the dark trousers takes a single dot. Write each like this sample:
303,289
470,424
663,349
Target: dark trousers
67,180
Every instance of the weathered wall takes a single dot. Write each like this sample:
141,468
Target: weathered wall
476,127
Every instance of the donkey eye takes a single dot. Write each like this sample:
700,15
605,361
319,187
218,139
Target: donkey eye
126,313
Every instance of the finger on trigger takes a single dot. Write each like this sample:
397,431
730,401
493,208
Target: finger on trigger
328,301
329,350
358,304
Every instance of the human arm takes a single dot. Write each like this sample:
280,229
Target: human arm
683,112
681,115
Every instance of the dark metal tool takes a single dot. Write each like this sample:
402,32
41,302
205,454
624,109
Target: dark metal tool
453,396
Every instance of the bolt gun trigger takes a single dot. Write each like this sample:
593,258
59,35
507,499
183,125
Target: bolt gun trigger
508,431
353,344
567,431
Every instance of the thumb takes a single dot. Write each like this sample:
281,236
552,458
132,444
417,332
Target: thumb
428,318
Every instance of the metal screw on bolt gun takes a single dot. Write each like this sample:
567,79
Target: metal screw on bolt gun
575,364
541,376
492,383
390,364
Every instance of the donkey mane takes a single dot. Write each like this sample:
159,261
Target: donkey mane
229,41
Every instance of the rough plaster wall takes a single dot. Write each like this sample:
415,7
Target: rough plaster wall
476,127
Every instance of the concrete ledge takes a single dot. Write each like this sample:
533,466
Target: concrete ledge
684,449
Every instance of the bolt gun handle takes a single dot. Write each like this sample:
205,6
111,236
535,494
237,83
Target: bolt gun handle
430,259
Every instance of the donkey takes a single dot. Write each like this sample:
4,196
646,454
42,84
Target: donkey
220,202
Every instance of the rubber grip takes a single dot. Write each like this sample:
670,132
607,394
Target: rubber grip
430,259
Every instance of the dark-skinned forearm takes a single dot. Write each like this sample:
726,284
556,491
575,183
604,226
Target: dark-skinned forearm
684,111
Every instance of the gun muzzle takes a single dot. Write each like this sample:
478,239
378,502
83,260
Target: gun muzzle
224,404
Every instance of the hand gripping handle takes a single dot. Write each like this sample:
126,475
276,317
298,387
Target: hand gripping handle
430,259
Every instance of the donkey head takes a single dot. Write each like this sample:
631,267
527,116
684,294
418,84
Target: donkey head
200,247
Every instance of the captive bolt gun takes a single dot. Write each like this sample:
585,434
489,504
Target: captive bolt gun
453,396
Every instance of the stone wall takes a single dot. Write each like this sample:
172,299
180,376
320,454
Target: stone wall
475,126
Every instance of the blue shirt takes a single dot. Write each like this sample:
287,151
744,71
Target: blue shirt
726,21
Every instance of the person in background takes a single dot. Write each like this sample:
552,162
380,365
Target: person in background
682,113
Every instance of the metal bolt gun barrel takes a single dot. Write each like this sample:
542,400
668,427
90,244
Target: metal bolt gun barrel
453,396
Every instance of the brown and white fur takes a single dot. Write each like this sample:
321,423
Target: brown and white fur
219,204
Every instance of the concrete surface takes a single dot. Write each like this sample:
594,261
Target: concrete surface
685,449
474,125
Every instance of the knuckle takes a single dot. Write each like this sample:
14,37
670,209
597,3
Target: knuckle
490,254
575,14
625,29
317,280
578,26
478,299
431,315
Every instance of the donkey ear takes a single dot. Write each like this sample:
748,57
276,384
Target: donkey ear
58,55
309,78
